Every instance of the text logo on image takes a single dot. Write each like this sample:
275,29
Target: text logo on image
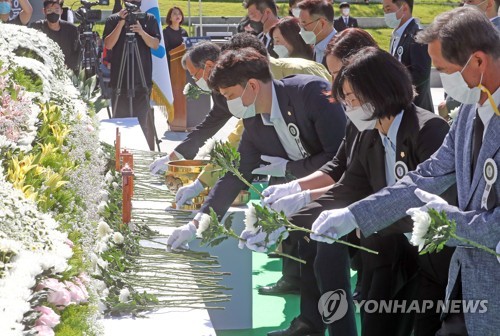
333,306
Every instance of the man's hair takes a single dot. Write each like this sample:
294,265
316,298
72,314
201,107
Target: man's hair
169,15
200,53
318,7
462,31
364,72
344,5
48,3
349,42
261,5
401,2
237,67
497,5
245,40
290,29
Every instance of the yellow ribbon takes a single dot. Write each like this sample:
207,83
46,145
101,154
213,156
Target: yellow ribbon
490,99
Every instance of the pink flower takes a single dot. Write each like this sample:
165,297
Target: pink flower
58,293
69,243
76,293
44,330
49,318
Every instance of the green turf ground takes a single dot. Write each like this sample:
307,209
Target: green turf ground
271,312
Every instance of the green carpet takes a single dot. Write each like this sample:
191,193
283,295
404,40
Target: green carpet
271,312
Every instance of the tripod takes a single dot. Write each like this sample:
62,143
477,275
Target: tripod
89,52
131,56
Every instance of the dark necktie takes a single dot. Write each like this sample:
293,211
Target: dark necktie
477,140
264,40
346,20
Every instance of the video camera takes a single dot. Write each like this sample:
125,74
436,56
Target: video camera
134,13
85,14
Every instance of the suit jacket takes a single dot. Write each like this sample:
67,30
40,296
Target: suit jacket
480,271
215,120
415,57
340,25
303,102
419,135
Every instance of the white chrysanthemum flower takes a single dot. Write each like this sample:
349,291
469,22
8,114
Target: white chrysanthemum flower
101,207
118,238
124,295
421,223
103,229
250,218
454,113
498,251
9,245
186,89
108,178
203,224
115,185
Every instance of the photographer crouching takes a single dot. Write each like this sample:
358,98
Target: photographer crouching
130,34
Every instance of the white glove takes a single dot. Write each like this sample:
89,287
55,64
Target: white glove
430,200
291,204
245,235
257,242
159,164
275,192
276,166
182,236
333,223
186,193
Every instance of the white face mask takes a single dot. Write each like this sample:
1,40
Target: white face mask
361,116
309,37
202,83
281,50
296,12
345,11
239,110
455,85
391,19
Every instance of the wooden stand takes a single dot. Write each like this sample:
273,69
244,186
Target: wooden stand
127,158
117,149
178,79
127,191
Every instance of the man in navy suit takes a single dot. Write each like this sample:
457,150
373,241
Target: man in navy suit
345,20
398,15
290,125
466,50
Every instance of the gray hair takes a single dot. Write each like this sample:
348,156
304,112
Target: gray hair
200,53
462,31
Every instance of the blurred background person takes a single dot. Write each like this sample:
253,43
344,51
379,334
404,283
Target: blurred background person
287,40
248,26
24,16
173,34
293,10
266,13
345,20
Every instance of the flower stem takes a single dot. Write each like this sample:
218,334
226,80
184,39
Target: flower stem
477,245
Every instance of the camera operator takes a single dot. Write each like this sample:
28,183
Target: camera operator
148,36
65,34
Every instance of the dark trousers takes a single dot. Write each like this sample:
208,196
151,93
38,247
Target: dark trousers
291,268
326,269
140,109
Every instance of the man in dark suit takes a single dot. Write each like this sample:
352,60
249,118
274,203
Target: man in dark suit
291,123
345,20
263,12
404,137
398,15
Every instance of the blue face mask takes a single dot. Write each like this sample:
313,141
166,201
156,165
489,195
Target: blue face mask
4,7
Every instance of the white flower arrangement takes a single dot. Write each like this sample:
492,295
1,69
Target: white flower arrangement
203,224
251,219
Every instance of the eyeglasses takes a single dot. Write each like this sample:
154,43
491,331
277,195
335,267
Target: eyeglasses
307,24
195,74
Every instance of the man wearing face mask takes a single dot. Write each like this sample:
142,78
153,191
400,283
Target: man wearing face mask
65,34
466,50
398,15
290,123
345,20
316,20
24,16
263,12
